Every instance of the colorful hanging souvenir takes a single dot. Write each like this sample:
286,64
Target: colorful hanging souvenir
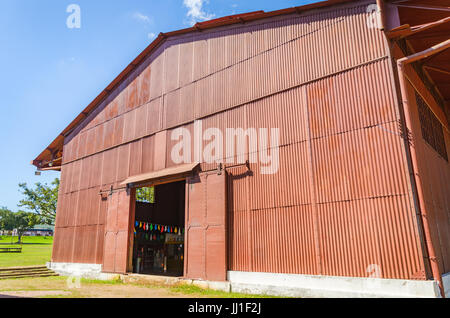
151,227
176,230
136,223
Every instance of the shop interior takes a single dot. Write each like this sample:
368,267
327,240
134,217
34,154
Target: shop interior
158,247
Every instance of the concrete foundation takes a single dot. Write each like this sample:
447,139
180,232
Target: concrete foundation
290,285
326,286
171,281
89,271
446,281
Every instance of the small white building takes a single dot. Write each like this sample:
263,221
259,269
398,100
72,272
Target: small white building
37,230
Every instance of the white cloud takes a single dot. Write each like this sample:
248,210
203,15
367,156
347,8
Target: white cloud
142,18
151,35
234,6
62,62
196,12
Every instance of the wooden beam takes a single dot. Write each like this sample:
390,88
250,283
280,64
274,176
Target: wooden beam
437,69
406,30
424,7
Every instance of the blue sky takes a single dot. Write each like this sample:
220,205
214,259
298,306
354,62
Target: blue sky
50,73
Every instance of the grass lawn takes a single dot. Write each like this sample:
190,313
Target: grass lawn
57,287
36,250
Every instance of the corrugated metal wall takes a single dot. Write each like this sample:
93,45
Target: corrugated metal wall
434,173
340,202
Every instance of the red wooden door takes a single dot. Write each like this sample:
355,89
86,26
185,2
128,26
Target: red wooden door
206,227
115,255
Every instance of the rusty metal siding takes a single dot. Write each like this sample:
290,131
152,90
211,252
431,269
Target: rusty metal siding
289,247
364,211
205,250
80,217
230,82
340,201
434,173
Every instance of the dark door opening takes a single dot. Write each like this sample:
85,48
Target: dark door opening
159,228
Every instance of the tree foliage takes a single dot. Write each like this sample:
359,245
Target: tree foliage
41,200
4,217
20,221
145,195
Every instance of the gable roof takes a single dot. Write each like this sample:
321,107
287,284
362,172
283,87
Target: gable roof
51,157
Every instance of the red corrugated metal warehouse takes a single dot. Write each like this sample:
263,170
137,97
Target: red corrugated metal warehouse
297,152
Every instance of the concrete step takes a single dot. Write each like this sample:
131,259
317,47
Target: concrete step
26,272
34,276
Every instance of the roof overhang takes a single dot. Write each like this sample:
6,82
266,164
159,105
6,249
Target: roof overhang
161,176
424,25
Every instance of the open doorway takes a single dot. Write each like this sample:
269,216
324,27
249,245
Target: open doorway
159,227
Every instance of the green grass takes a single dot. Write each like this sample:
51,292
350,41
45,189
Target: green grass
36,250
185,289
117,281
194,291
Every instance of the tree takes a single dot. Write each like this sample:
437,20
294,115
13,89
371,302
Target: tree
4,217
42,200
145,195
20,221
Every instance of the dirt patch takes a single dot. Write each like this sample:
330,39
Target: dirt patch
57,287
35,294
125,291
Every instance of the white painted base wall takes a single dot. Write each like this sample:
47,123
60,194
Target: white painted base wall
326,286
446,281
89,271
